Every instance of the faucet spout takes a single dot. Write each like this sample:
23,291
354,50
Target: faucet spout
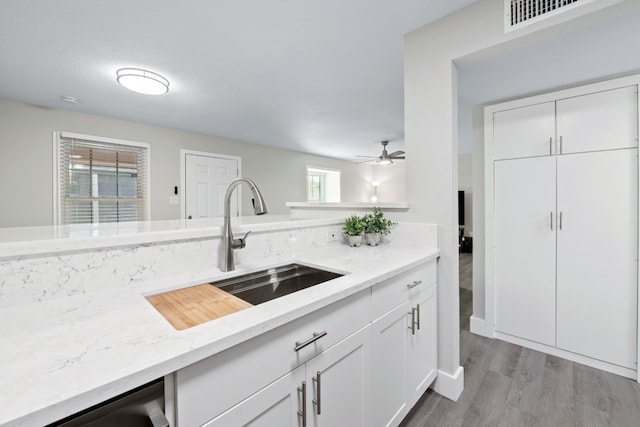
229,243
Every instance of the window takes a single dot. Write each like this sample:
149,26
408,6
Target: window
100,180
323,185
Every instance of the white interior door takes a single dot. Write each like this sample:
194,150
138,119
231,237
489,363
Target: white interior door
525,248
206,181
597,255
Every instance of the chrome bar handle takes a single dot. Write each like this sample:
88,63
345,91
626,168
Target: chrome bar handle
418,312
413,321
303,413
561,144
551,146
316,401
551,220
316,336
560,221
414,284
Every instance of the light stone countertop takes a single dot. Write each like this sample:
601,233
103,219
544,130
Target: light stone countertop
29,241
64,355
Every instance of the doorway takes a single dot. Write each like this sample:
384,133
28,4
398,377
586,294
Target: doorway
205,178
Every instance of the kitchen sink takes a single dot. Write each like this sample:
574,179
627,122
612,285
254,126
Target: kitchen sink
261,286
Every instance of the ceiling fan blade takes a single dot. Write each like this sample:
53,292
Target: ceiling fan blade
366,161
370,157
397,157
396,153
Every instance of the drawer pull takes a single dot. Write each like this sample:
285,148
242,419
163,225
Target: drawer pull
414,284
303,412
316,336
418,312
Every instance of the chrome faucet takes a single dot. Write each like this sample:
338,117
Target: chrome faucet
229,243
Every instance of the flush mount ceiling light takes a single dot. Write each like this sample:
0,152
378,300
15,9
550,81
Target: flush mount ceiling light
143,81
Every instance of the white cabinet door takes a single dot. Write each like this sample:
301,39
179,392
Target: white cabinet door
597,251
598,121
340,381
278,404
389,373
422,344
524,132
525,254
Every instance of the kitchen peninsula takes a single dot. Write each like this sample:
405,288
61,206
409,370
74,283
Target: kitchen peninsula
77,329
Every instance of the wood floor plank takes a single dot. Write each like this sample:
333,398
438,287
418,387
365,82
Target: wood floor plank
505,359
557,398
488,408
526,387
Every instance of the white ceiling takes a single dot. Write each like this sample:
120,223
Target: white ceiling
596,52
322,77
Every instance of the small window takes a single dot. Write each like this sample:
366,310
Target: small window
323,185
101,180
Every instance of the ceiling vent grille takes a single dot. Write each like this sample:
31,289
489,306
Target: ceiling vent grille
519,13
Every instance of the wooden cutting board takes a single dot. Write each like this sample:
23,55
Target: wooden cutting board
188,307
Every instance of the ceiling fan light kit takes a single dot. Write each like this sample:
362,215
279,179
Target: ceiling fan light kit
142,81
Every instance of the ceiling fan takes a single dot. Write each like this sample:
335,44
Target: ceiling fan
385,158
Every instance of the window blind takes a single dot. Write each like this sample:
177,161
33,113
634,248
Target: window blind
101,181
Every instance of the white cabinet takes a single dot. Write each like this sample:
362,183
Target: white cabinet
206,389
333,388
524,132
603,120
278,404
344,376
565,226
597,255
340,380
525,248
404,353
422,356
390,389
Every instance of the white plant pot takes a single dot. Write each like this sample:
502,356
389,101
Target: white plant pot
373,239
355,241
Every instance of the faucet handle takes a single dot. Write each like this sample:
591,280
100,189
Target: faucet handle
243,240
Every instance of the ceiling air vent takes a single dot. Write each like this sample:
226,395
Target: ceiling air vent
519,13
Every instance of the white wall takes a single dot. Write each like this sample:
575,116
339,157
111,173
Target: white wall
431,137
26,163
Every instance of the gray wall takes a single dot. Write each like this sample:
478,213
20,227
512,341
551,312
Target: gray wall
26,164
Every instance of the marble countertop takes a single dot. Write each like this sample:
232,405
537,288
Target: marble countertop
64,355
21,241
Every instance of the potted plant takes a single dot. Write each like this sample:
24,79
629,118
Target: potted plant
376,225
354,229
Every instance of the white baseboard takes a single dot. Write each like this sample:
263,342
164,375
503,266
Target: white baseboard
578,358
479,326
449,386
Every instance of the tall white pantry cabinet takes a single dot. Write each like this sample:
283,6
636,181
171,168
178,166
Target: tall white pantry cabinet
562,223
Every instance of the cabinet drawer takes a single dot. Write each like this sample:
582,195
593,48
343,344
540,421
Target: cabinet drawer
211,386
393,292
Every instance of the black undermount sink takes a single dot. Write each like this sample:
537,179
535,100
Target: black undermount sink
261,286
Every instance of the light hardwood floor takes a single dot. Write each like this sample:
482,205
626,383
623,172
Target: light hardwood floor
508,385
